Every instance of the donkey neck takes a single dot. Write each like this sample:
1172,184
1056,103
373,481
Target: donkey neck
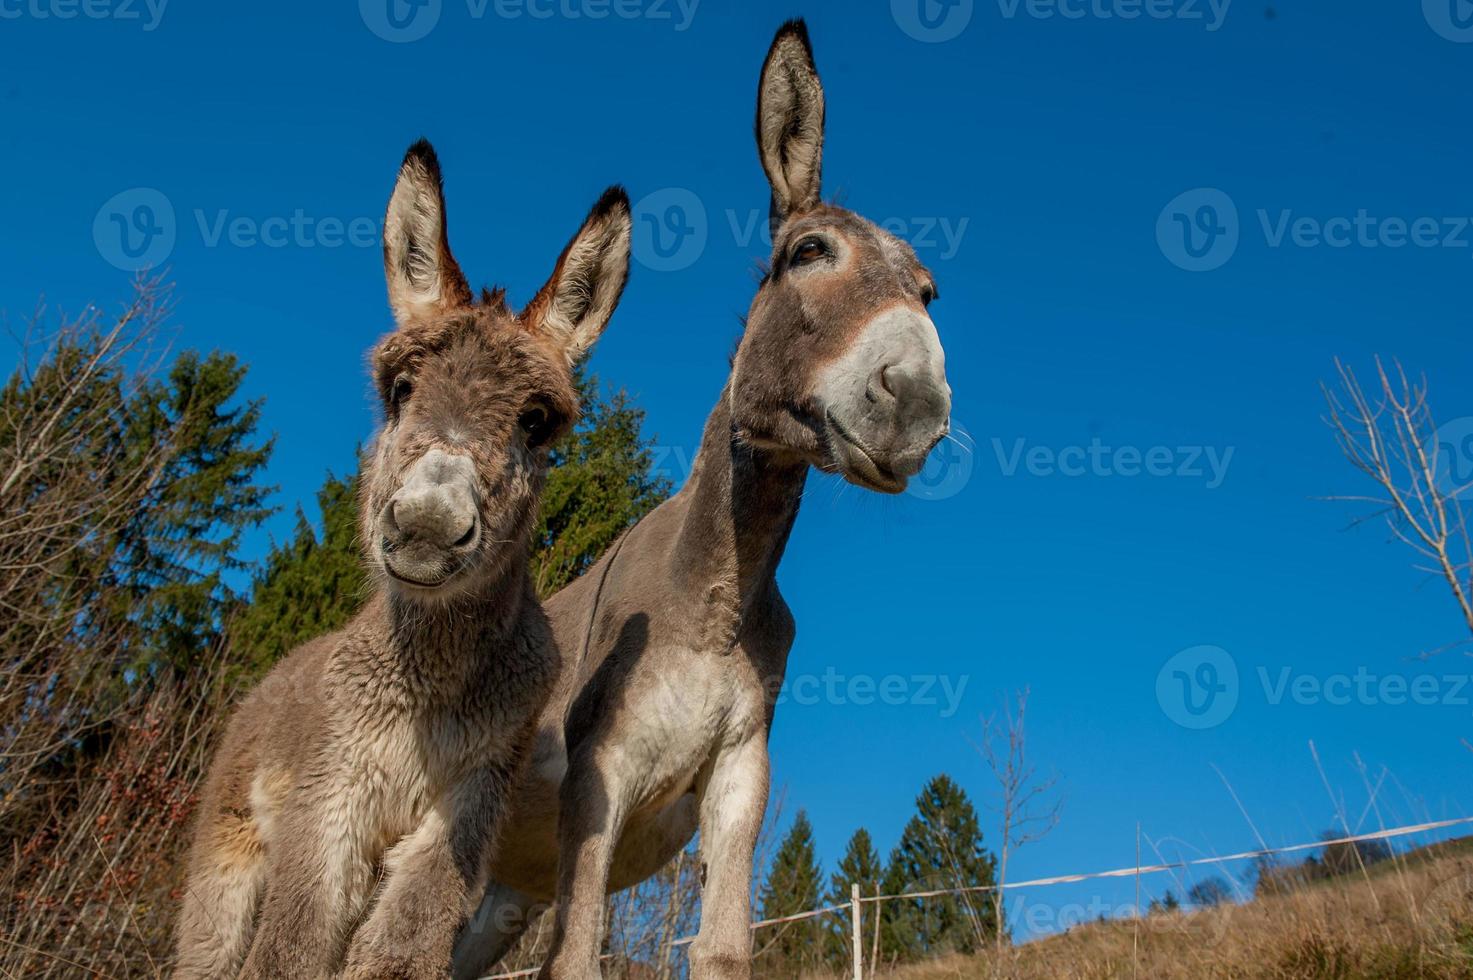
442,645
741,504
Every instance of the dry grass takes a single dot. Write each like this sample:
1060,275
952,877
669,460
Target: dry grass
1409,918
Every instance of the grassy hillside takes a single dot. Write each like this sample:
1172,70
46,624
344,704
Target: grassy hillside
1406,919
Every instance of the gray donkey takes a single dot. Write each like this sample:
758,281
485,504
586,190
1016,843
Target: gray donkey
674,645
363,784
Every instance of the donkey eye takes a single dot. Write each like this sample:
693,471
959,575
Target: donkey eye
538,423
401,390
809,250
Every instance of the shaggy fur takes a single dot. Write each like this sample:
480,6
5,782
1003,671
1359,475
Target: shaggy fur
351,810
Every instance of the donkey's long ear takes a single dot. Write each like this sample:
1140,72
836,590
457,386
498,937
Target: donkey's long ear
790,122
575,305
423,276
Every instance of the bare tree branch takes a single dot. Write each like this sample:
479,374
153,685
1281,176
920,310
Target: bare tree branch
1026,803
1391,437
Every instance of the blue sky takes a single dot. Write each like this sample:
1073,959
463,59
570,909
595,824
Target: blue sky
1047,159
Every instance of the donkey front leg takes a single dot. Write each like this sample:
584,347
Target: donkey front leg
226,878
318,880
593,810
731,818
433,879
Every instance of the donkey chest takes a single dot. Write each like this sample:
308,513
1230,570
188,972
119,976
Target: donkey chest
396,769
683,717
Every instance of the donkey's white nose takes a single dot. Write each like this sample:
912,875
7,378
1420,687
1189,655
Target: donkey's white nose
920,393
436,506
886,398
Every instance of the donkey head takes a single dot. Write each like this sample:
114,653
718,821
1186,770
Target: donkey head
473,394
840,362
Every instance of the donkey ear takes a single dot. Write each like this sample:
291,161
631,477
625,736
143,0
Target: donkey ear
575,305
790,121
423,276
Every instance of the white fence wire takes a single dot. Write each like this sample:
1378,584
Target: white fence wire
857,901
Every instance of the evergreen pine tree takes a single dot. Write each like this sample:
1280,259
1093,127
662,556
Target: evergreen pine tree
310,585
1167,903
599,485
1209,892
860,865
166,564
792,886
941,847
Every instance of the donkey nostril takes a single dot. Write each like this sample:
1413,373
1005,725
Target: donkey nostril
887,381
467,537
879,386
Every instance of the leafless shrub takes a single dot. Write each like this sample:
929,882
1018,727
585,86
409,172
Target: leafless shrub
1390,435
67,489
1026,803
98,767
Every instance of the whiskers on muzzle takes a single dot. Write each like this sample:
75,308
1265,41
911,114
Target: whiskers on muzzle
887,401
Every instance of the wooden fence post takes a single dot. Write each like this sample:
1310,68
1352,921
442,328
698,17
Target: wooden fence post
858,932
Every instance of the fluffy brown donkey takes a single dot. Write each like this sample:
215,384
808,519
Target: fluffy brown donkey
349,816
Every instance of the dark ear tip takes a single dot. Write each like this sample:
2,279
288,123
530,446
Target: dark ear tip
795,29
422,154
614,200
